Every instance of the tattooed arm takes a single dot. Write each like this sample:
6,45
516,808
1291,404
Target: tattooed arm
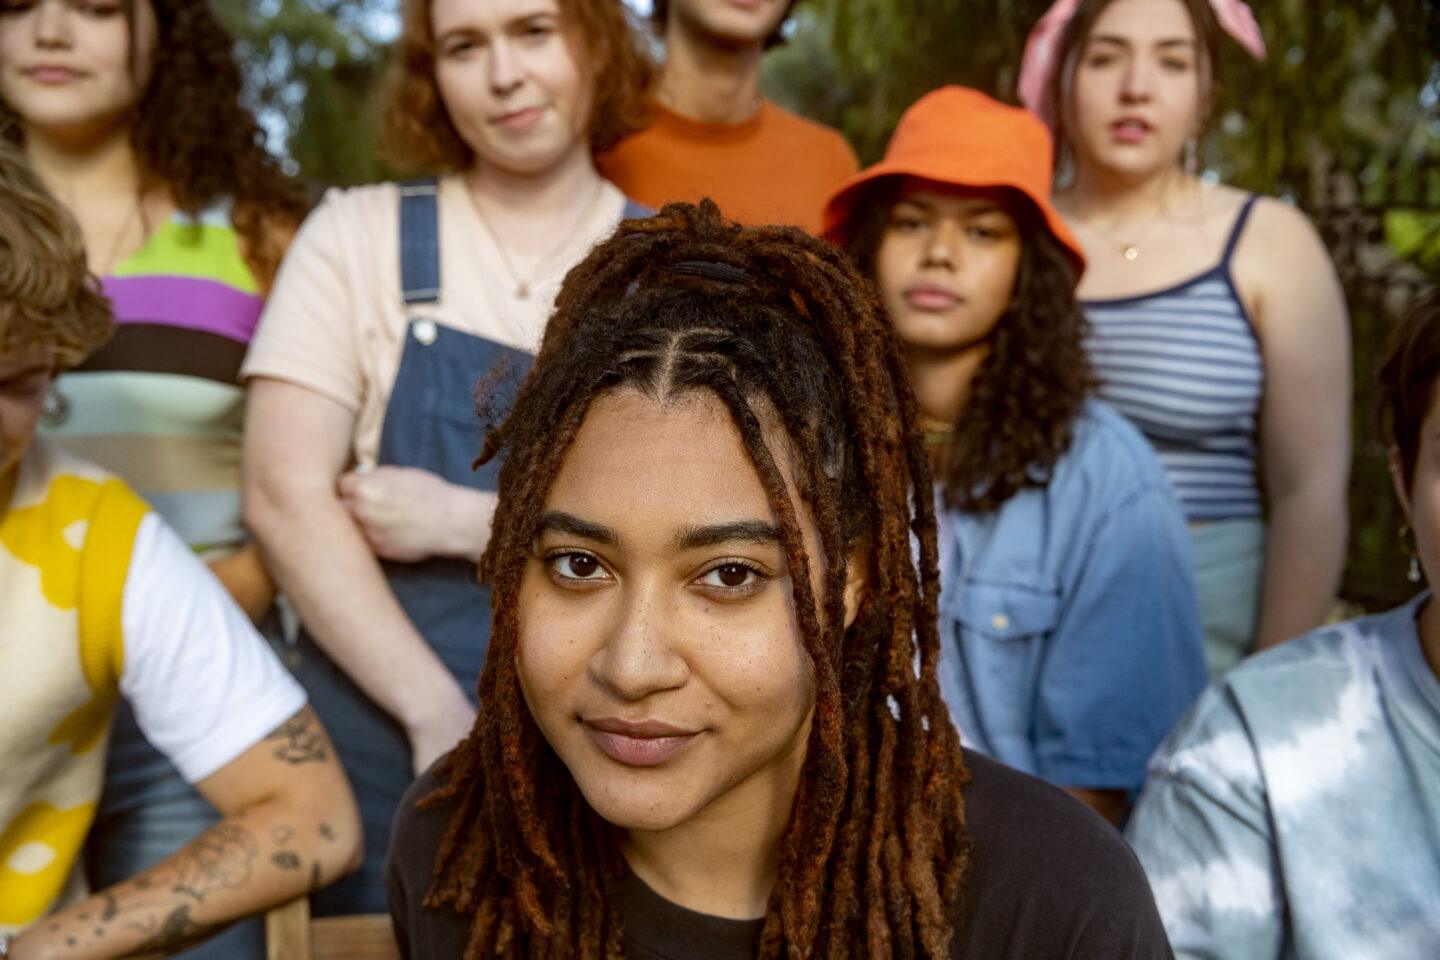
290,827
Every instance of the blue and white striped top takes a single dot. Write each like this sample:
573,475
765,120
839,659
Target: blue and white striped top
1184,365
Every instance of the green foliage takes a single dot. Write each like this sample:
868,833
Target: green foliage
313,67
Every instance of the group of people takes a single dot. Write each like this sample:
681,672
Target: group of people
831,525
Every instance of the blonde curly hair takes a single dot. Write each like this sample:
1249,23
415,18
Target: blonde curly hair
48,298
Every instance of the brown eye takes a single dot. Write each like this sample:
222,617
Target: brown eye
575,566
733,575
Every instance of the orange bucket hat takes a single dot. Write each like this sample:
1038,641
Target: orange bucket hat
956,136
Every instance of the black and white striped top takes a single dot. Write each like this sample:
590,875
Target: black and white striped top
1184,365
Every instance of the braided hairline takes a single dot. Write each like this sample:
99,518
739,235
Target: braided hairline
498,860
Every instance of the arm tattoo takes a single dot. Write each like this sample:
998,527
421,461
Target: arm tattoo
299,740
177,931
219,859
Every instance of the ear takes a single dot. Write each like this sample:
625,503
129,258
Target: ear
857,582
1397,478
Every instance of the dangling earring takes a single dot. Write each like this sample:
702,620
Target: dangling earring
1192,156
1413,574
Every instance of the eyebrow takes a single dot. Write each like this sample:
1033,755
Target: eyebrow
740,531
1125,42
558,521
979,209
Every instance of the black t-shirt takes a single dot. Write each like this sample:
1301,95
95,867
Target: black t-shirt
1049,879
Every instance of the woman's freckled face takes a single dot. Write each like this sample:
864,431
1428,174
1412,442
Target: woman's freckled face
659,650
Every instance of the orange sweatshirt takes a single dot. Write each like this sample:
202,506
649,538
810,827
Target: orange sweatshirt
775,167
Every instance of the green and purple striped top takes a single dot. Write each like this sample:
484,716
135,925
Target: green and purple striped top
161,404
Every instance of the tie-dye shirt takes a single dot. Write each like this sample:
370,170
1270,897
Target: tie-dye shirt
1296,811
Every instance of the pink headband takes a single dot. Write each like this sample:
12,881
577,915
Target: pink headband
1041,49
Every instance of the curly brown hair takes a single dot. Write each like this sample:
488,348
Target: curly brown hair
48,299
193,134
416,133
1408,379
779,327
1020,415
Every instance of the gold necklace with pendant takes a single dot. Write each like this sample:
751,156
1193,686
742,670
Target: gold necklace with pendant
522,283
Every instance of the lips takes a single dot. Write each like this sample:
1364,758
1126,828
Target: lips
1130,129
647,743
519,121
51,74
929,297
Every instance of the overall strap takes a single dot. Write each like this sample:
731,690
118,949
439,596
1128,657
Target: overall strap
420,241
1239,228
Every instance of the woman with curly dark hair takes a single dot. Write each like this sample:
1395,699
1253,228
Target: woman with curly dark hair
711,724
1071,642
131,113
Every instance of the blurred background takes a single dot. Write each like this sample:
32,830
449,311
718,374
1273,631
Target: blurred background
1343,120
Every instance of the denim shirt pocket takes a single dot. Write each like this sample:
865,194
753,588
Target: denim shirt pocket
1005,610
996,634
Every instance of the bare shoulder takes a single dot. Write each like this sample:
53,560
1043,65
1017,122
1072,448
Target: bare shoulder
1280,231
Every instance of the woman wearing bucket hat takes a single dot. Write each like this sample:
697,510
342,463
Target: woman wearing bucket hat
1217,324
1071,641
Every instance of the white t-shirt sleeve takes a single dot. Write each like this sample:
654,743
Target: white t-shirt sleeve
204,685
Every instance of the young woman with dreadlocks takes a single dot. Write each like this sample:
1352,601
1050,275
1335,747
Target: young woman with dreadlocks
131,112
1071,641
711,725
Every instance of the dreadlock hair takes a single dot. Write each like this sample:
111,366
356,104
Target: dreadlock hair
1019,418
778,326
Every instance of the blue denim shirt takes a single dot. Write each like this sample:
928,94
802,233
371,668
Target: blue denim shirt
1070,638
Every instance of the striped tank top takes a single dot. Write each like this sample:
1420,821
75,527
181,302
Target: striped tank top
161,404
1184,365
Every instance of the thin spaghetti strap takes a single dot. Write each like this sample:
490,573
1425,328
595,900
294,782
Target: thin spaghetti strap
1236,230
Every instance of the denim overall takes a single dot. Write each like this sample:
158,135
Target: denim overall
430,423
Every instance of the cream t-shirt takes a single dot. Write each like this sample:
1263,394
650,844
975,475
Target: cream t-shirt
335,322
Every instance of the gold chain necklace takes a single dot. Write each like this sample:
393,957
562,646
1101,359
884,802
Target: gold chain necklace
937,432
522,283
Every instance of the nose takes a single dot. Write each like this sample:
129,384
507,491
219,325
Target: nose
506,72
942,246
1135,86
639,656
51,24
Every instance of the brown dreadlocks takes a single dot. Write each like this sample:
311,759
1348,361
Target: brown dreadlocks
779,326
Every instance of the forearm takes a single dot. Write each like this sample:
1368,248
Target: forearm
247,863
244,577
468,514
1304,557
327,570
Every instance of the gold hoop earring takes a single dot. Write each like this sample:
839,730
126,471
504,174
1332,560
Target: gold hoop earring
1411,551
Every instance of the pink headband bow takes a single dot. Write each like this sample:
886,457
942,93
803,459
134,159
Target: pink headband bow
1235,18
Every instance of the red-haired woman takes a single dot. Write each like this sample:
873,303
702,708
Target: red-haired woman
393,301
131,113
1217,322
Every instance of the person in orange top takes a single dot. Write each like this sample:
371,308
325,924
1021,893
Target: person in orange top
713,135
